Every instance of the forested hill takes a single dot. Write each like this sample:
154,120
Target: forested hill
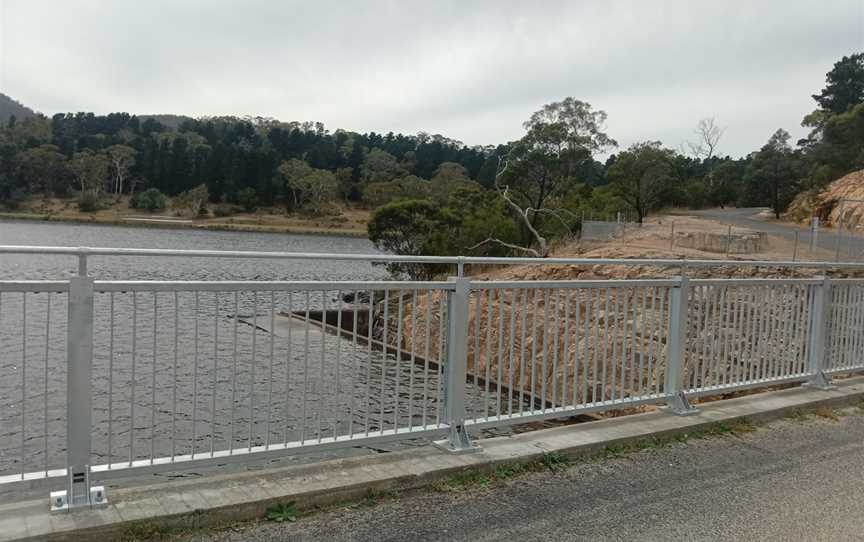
10,108
230,153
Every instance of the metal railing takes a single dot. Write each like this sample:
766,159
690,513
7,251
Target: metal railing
109,378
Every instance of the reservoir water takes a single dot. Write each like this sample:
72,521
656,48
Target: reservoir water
183,373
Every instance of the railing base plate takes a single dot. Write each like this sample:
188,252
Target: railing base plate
680,406
820,382
457,442
96,500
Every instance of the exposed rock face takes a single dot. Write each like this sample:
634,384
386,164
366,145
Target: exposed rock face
826,204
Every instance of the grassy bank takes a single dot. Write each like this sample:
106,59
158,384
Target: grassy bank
349,222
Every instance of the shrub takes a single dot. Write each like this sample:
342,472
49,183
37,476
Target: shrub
225,209
247,198
88,202
15,199
149,200
194,201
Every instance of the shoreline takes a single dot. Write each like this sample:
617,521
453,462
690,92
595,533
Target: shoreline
178,225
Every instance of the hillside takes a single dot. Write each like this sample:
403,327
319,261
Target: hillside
9,107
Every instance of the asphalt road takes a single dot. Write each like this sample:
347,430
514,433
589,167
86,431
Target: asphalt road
851,246
791,480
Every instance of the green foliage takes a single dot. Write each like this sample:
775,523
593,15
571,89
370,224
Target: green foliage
640,174
773,173
14,200
381,166
844,87
43,169
412,227
90,170
88,202
283,512
247,198
541,167
151,200
310,188
555,461
377,194
222,210
192,202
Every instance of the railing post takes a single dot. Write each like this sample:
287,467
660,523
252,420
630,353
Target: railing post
455,368
678,324
819,326
79,351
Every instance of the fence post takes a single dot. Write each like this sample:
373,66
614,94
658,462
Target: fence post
678,324
79,351
455,369
819,327
672,237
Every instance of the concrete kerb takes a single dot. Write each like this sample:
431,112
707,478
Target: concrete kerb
221,500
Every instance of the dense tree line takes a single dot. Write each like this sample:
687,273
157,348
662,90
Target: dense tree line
226,154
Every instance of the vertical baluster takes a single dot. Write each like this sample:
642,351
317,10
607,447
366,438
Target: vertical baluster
412,361
544,374
233,373
367,407
215,379
475,359
595,350
487,347
174,377
442,315
513,297
134,356
354,361
45,383
289,359
111,381
305,370
23,382
196,317
522,365
605,396
534,351
270,368
661,326
426,344
565,353
153,382
398,374
320,404
337,398
384,348
499,356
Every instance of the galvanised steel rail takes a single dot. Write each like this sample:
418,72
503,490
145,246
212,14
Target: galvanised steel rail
459,261
103,379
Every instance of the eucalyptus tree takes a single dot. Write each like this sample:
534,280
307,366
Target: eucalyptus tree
544,165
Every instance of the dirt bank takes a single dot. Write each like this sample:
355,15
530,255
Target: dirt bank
613,338
349,222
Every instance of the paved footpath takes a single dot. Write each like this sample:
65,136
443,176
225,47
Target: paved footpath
795,479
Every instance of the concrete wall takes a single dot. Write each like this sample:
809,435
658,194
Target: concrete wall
739,243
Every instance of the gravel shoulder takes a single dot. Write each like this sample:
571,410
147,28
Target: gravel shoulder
797,478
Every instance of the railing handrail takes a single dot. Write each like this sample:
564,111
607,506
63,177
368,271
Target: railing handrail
83,252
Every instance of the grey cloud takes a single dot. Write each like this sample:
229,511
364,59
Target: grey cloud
470,70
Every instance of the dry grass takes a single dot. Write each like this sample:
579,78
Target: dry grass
348,221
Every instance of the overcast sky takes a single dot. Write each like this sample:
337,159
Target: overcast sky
473,71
